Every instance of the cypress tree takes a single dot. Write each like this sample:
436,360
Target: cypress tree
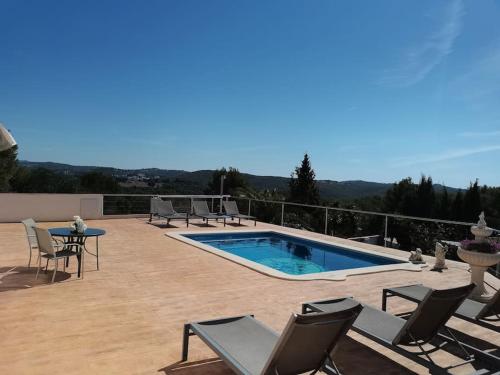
472,202
302,184
444,205
425,197
457,207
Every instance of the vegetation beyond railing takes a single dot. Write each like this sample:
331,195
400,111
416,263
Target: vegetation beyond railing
346,222
139,204
338,221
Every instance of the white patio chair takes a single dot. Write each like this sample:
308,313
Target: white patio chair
48,249
29,225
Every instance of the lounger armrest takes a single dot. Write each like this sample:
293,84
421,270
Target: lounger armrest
402,286
221,320
309,304
329,300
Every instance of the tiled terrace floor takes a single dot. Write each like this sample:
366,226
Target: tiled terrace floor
127,318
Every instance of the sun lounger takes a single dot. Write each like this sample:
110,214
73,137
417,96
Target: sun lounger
249,347
231,209
164,210
420,328
201,210
470,310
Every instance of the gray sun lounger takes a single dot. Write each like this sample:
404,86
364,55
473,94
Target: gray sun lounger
420,328
201,210
231,209
164,210
485,372
470,310
249,347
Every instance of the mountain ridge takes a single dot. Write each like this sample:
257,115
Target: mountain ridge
329,189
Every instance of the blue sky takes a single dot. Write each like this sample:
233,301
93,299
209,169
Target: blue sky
371,90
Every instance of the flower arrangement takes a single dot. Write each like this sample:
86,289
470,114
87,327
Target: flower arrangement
78,225
480,246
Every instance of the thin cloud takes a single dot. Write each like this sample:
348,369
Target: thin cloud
422,59
448,155
494,133
482,80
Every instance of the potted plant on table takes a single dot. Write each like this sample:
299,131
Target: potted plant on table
78,225
480,254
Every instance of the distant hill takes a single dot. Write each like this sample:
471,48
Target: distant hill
80,169
328,189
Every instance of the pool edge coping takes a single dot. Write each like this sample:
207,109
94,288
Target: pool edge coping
339,275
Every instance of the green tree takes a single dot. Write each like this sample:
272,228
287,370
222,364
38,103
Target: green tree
444,206
234,182
490,199
302,184
472,202
98,182
425,197
41,180
401,198
8,165
457,207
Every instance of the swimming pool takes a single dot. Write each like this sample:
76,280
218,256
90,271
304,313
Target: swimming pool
291,255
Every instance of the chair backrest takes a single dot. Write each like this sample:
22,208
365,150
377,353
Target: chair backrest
165,208
308,340
231,207
29,225
44,239
200,208
492,307
153,205
432,313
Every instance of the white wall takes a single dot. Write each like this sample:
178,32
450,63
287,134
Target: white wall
15,207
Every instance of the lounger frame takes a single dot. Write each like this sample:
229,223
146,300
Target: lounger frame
168,217
391,292
448,337
234,212
207,215
329,368
282,354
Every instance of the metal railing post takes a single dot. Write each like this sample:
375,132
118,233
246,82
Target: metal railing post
282,214
101,214
249,206
385,231
212,205
326,220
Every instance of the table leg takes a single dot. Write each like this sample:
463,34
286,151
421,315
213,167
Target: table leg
80,241
97,250
79,257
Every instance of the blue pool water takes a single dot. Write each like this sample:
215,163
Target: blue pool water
290,254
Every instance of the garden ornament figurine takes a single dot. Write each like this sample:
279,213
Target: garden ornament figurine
440,254
416,256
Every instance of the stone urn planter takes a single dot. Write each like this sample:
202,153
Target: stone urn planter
479,254
479,263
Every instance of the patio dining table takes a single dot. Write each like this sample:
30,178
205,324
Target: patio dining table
72,237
